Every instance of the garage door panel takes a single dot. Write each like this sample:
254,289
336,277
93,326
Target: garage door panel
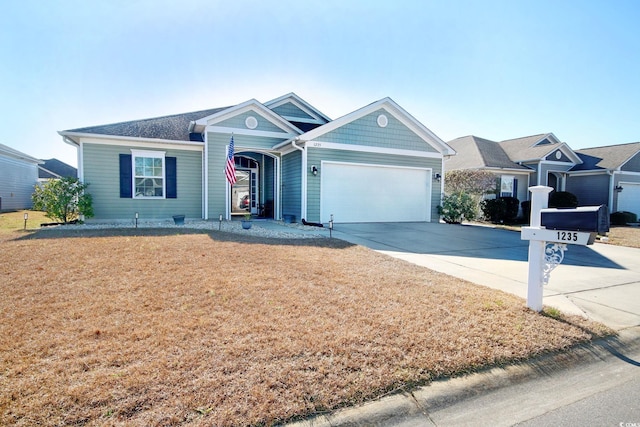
629,198
371,193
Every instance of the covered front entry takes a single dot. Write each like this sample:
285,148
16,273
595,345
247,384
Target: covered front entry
374,193
255,189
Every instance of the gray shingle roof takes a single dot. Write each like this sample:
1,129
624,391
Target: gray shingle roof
174,127
54,168
521,149
478,153
611,157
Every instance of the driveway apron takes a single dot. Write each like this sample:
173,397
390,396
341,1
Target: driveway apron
599,281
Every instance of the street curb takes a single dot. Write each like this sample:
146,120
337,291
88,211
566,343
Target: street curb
413,408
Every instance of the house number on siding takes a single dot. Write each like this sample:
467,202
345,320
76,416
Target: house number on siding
317,144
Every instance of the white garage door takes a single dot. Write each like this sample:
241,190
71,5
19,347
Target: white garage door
372,193
629,198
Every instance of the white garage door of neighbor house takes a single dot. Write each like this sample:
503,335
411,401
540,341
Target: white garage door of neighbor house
629,198
372,193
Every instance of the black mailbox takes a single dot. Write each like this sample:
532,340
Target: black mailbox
583,218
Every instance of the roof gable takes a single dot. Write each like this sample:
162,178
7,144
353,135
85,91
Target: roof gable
294,109
610,157
229,118
479,153
535,148
390,107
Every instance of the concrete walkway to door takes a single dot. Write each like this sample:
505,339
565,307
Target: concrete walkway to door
600,281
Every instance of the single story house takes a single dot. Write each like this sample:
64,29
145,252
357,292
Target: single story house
375,164
55,169
518,163
18,177
609,176
597,176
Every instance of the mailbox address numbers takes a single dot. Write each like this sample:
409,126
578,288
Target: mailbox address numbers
567,236
558,236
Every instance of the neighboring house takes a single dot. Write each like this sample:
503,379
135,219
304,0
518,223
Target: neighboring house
518,163
597,176
377,163
55,169
608,176
18,176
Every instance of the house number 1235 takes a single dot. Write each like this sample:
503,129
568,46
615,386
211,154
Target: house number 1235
567,236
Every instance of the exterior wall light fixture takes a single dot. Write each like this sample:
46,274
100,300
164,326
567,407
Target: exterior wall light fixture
437,177
314,170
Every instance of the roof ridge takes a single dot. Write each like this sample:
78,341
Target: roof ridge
608,146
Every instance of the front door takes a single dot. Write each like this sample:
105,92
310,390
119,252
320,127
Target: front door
244,192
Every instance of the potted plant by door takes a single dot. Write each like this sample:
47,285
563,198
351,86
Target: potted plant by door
246,221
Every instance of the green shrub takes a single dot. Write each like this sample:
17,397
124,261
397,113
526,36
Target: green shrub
63,199
456,207
623,218
563,199
500,210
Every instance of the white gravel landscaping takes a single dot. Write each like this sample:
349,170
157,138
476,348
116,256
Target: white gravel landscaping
259,228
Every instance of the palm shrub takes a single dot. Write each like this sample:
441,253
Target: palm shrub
456,207
63,199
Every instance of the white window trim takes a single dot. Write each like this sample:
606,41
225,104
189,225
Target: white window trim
504,178
148,154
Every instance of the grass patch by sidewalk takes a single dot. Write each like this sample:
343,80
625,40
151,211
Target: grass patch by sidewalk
171,327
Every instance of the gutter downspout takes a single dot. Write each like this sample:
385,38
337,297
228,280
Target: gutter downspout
303,178
79,156
612,179
205,177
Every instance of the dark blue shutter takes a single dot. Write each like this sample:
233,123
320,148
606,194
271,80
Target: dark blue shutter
172,181
125,176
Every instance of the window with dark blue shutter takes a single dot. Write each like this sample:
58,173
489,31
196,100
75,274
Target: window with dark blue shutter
125,176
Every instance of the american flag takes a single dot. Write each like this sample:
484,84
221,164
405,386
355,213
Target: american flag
230,169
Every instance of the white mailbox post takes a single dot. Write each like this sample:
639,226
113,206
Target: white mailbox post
546,247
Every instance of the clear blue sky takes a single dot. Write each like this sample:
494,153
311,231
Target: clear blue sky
495,69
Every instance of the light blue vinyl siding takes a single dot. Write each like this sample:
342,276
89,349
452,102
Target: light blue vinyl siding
291,184
591,190
365,131
291,110
238,122
316,156
245,145
17,182
633,165
102,173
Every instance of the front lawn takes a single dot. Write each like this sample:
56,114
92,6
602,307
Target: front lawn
171,327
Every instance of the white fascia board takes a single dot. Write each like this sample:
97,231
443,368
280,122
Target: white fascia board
250,105
236,131
513,171
126,141
394,109
376,150
298,102
15,154
589,172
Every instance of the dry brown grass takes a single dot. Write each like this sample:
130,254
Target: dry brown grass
152,327
624,236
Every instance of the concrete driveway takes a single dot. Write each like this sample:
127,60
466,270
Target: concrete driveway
600,281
